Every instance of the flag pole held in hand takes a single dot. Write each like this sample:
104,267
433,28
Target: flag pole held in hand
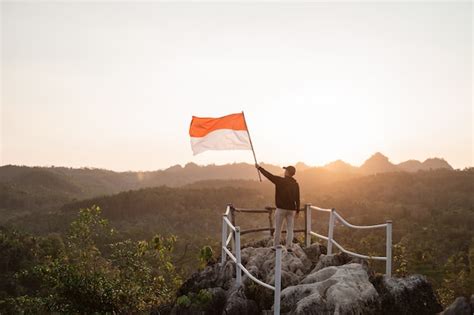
251,145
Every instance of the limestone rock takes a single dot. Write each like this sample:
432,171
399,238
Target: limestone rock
211,277
264,242
312,283
260,262
405,296
238,303
460,306
332,290
314,251
338,259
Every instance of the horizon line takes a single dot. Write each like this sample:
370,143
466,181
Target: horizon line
229,163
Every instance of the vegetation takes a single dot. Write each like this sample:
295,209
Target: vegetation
77,275
81,263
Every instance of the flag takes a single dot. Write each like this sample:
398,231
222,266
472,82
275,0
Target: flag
224,133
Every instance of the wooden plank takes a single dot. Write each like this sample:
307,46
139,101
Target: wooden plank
242,232
252,210
254,230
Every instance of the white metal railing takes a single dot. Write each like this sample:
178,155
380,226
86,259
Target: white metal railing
226,238
333,216
235,254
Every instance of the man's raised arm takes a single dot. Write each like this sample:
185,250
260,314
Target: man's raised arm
274,179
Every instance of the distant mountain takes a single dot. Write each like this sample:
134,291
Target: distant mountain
436,163
39,179
27,186
428,164
341,167
410,166
378,163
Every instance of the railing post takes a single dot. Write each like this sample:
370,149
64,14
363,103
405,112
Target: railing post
331,231
224,240
232,220
270,220
276,306
307,234
238,276
388,266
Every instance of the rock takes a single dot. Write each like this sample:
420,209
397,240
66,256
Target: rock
217,303
460,306
265,242
332,290
238,303
212,276
338,259
312,283
409,295
260,262
314,251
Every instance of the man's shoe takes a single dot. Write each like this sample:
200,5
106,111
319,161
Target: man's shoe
290,250
274,248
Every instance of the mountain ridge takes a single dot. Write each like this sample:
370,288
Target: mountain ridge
87,182
8,171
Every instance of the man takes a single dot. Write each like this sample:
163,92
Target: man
287,201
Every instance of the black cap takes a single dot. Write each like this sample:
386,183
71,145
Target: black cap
291,170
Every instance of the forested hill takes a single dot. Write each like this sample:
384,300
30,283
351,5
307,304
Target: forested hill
432,211
29,187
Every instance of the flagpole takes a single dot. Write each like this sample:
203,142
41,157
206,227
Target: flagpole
251,145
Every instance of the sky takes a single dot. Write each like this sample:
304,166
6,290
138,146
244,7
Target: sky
114,84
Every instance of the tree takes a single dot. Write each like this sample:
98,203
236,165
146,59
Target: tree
121,277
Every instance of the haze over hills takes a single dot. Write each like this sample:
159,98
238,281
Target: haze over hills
178,175
89,182
30,189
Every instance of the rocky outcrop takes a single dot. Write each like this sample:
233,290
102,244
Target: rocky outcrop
211,277
338,260
312,283
405,296
332,290
460,306
314,252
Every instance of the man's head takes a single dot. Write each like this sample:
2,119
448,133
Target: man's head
290,171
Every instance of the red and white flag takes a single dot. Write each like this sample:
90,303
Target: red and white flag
224,133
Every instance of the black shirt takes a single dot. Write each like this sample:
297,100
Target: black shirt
287,190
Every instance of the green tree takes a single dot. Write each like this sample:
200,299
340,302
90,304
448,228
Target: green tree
133,277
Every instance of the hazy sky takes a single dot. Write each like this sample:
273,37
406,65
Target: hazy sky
114,85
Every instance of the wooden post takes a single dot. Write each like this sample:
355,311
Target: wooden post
270,220
307,226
